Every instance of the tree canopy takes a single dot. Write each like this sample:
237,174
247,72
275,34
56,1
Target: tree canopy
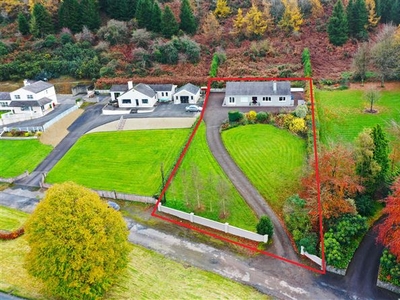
78,245
337,25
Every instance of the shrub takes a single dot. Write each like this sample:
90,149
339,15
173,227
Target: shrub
116,32
141,37
390,269
235,116
262,117
3,49
50,41
301,111
365,205
297,125
265,226
287,120
251,116
309,242
66,38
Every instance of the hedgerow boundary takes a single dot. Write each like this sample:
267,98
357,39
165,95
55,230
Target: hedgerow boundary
308,81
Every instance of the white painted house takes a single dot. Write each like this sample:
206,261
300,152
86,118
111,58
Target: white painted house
140,95
117,90
33,99
164,91
258,93
188,93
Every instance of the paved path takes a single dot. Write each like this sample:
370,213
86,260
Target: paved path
213,117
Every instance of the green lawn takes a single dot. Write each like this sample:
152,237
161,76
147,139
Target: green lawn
342,114
273,159
239,214
17,156
124,161
144,278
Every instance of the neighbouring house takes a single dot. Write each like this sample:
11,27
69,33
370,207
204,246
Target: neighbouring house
5,99
164,91
259,93
34,99
117,90
140,95
188,93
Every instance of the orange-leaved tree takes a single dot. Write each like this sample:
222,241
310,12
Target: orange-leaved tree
389,229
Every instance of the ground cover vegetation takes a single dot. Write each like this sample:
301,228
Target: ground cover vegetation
201,186
144,268
113,40
125,161
21,155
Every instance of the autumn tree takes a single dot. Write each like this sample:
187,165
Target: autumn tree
292,18
267,16
317,10
211,29
222,9
373,19
169,25
337,25
78,244
338,183
255,22
188,23
239,24
389,229
361,61
23,24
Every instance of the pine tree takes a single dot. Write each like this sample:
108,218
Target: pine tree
222,9
255,23
169,25
155,22
373,19
69,15
292,18
188,22
337,25
90,16
41,22
381,152
142,13
23,25
358,19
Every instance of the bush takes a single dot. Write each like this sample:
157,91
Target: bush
390,268
235,116
262,117
309,242
265,226
297,125
301,111
3,49
251,116
365,205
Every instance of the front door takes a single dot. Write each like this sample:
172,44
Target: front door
137,102
184,99
254,100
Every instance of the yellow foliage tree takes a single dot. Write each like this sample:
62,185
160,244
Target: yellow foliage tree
292,18
211,28
297,125
267,14
222,10
373,19
238,23
316,8
51,5
12,7
255,22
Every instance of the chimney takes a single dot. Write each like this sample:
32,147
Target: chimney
274,86
130,85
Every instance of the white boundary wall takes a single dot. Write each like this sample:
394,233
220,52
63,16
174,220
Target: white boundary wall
312,257
225,227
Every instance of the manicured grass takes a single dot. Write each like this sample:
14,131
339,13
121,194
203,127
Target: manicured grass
209,173
342,114
17,156
145,277
124,161
11,219
273,159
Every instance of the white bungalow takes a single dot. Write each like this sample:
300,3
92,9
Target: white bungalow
140,95
164,91
117,90
188,93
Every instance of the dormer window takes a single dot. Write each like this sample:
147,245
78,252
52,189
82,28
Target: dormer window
17,97
30,96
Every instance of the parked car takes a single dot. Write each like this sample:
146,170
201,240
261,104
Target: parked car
193,108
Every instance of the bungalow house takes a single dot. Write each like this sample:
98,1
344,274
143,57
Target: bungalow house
117,90
260,93
5,99
188,93
33,99
140,95
164,91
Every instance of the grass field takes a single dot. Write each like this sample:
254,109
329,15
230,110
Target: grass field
145,277
272,159
124,161
17,156
342,114
239,214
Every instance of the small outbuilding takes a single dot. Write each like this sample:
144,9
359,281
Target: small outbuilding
164,91
188,93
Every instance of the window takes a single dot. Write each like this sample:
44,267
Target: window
162,94
282,99
3,104
266,99
42,107
145,101
191,97
231,99
166,93
17,97
30,97
126,101
176,97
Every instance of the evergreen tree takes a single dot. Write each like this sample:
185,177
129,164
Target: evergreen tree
188,22
90,16
41,22
351,18
69,15
395,12
381,152
337,25
143,12
122,10
360,23
23,25
383,9
155,22
169,25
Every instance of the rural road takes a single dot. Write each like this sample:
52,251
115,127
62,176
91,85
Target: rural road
214,115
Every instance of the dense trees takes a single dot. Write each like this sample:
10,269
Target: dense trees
337,25
292,18
143,11
169,25
357,18
23,24
41,23
69,15
188,23
81,254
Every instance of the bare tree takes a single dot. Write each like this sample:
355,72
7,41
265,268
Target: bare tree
372,96
197,183
224,193
361,61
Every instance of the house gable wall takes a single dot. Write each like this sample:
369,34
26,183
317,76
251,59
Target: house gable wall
246,100
23,95
134,95
193,98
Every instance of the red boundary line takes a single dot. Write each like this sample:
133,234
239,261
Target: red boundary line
172,175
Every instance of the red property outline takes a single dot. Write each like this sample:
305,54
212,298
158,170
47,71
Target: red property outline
188,143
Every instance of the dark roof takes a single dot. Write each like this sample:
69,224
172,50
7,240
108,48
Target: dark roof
119,88
38,86
191,88
234,88
5,96
32,103
161,87
144,89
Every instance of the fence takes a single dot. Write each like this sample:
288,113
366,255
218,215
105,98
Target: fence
224,227
59,117
312,257
12,179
